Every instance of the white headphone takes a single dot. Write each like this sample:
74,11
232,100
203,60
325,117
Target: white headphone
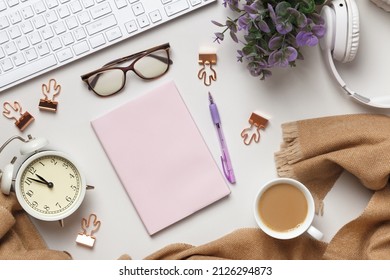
341,42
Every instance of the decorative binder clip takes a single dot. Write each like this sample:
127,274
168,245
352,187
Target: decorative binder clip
85,239
209,59
48,102
257,121
22,120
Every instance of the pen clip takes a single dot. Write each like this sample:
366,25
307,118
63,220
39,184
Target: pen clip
228,172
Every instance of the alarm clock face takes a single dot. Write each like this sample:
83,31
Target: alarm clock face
49,186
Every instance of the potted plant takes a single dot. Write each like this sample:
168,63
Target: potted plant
272,32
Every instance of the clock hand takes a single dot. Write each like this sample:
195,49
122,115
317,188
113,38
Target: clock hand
49,184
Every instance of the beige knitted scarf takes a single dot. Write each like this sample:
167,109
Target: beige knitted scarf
315,152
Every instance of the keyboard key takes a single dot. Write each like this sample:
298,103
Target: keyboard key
67,39
12,3
55,44
43,49
22,43
113,34
155,16
131,26
88,3
34,67
6,65
3,37
35,38
195,2
75,6
64,54
10,48
84,17
59,27
3,22
18,59
26,27
120,3
143,21
31,54
101,24
3,6
176,7
81,47
38,22
51,3
79,34
100,10
27,12
63,11
72,22
138,9
15,17
14,32
2,54
51,16
97,41
39,7
47,33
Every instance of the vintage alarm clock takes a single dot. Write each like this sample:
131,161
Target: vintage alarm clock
49,185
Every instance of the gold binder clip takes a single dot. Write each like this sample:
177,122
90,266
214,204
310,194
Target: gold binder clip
22,120
48,103
257,121
209,59
85,239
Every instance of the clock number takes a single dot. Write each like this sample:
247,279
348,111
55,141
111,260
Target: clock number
47,208
73,187
54,161
32,170
66,165
71,176
42,163
34,204
68,198
58,205
28,181
30,193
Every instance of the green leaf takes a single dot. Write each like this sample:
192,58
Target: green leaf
281,8
307,6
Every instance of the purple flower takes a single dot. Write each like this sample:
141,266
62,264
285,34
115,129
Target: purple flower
243,23
282,57
283,27
305,38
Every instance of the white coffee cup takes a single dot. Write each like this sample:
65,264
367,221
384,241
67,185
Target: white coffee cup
300,228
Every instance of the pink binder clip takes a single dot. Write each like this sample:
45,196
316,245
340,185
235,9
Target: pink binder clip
248,134
85,238
48,103
22,120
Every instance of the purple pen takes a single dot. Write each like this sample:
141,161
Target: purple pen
225,158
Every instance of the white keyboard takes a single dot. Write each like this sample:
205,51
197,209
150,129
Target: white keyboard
37,36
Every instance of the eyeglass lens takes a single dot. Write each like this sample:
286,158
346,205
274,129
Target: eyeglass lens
110,81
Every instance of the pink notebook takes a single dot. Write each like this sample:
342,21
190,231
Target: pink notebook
160,157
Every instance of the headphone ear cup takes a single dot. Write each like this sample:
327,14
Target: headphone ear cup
327,42
353,30
33,145
6,178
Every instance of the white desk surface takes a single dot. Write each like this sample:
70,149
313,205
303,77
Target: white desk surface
308,91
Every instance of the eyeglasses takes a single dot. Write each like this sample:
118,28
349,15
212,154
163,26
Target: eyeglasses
148,64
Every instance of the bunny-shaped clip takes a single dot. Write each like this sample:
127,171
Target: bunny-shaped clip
207,59
22,120
83,238
50,91
257,121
